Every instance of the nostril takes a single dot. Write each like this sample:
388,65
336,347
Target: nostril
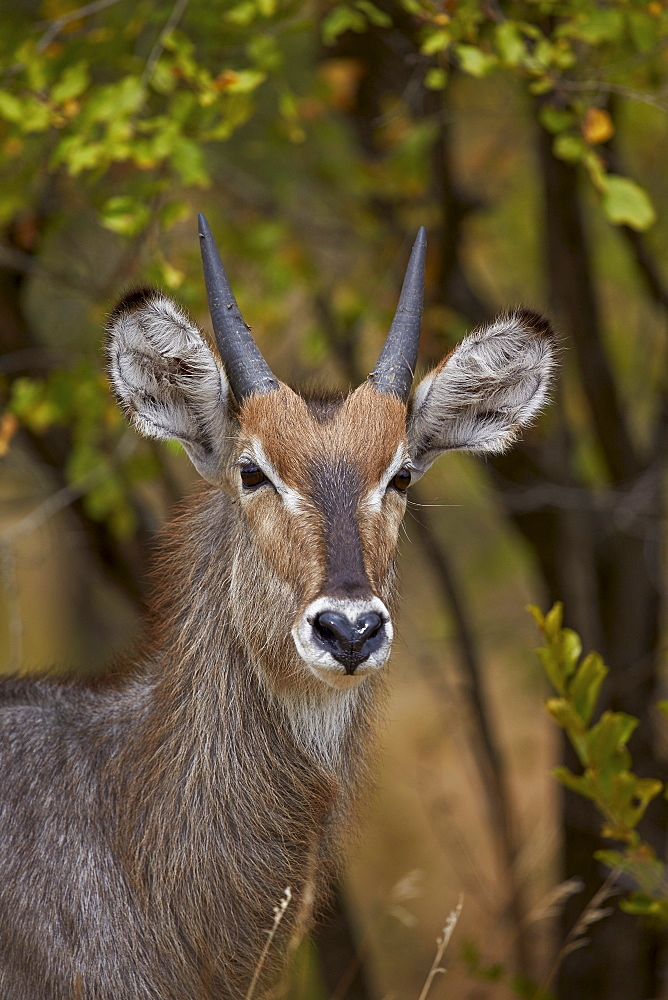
368,626
333,627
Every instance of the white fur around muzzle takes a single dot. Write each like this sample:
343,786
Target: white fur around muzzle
320,661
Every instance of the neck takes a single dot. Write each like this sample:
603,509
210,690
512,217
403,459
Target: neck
230,782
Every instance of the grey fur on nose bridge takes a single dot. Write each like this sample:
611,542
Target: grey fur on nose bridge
336,492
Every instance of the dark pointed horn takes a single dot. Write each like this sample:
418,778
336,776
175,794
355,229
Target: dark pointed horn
246,369
395,366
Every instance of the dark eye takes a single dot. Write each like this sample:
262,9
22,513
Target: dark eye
402,480
251,476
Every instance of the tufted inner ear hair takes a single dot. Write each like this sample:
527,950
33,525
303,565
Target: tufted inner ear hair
482,394
167,379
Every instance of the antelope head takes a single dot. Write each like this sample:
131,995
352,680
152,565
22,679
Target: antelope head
319,485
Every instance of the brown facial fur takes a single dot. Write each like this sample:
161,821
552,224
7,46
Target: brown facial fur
361,434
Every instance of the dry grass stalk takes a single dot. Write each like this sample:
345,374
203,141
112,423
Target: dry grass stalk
441,944
552,903
592,913
279,911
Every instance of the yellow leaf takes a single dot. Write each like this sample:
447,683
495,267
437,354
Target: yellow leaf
342,78
597,126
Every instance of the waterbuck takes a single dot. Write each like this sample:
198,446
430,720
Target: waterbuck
150,823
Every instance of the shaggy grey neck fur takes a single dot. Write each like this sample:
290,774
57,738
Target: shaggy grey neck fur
201,795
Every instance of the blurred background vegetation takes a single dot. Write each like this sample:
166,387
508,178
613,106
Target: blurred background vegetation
530,138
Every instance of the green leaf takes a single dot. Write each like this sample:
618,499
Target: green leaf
72,83
613,859
585,686
612,732
29,402
663,707
474,61
435,41
543,53
125,215
580,783
77,153
34,64
552,668
554,619
525,988
569,650
562,712
163,79
339,20
646,906
245,81
374,14
509,43
569,147
597,24
536,614
36,115
242,14
11,108
265,52
631,796
644,29
116,100
435,78
626,203
543,85
188,160
555,120
173,212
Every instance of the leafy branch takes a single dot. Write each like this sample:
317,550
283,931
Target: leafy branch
607,779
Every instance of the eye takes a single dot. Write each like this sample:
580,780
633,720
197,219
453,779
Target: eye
402,480
251,477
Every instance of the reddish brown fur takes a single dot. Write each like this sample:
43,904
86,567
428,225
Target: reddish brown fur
291,436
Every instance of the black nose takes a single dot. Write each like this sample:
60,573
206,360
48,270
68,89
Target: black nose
351,643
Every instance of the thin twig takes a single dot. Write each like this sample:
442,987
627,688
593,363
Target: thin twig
59,23
40,515
177,13
600,86
62,498
279,912
12,259
441,945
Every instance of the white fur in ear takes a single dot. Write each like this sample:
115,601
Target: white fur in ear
167,379
482,394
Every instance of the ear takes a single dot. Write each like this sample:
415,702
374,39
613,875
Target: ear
167,379
485,391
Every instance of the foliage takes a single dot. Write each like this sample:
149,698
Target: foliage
99,460
125,114
91,94
620,796
542,44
